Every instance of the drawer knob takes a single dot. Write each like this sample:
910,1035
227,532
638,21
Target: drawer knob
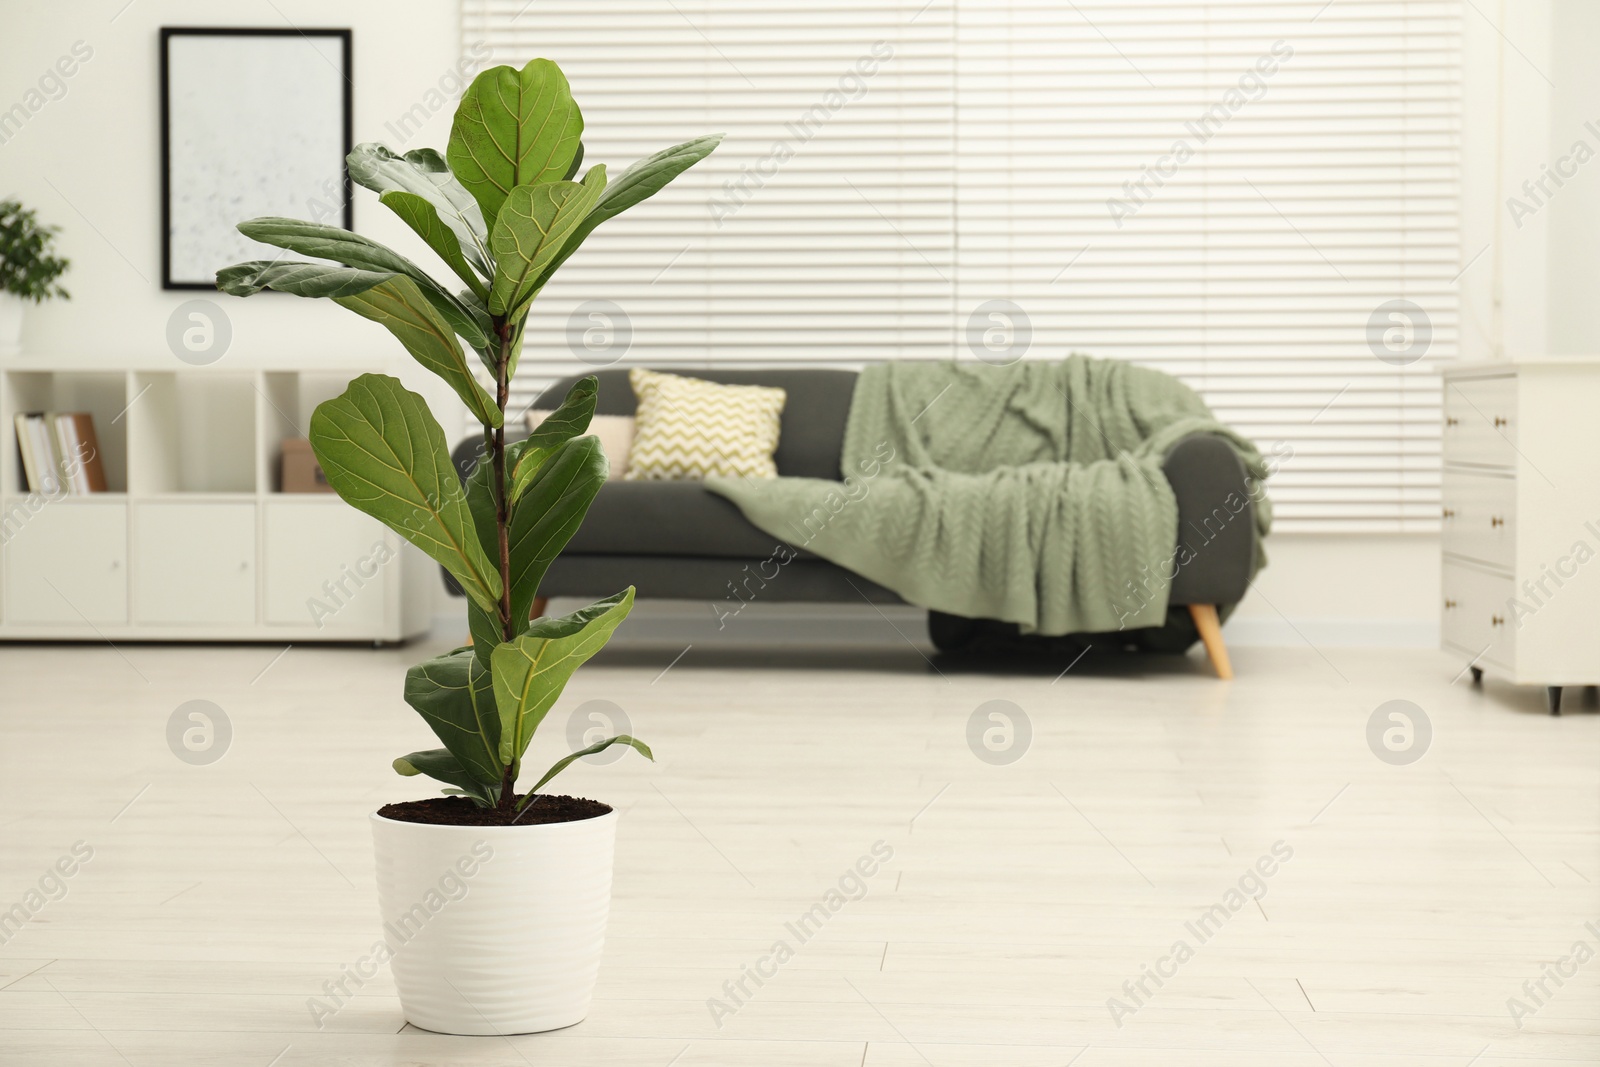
1448,603
1496,521
1451,420
1449,513
1497,620
1498,421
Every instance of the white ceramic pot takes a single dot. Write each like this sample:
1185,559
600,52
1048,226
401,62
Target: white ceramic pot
494,929
11,310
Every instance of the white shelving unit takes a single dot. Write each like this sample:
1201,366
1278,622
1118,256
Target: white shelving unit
193,542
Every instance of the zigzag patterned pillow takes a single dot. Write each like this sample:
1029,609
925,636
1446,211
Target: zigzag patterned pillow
686,428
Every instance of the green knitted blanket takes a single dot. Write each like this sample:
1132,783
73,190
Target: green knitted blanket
1031,493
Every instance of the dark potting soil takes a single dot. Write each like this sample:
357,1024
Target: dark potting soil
459,811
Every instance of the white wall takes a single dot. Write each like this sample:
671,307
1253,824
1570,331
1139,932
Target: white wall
1574,245
1343,591
1531,179
1519,259
90,162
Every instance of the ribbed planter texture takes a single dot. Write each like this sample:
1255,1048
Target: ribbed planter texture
12,308
495,929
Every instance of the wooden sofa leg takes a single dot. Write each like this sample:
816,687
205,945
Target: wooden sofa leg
1205,620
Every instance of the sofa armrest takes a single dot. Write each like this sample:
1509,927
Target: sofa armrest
1216,521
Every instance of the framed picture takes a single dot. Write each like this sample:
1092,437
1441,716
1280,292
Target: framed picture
253,122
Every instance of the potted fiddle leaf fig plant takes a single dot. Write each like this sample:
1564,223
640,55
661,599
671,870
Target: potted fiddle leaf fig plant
494,900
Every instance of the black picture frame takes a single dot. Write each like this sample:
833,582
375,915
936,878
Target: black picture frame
344,36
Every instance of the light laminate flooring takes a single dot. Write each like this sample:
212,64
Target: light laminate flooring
1019,899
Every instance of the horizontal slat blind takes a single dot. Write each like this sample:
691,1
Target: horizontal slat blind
893,167
820,230
1228,191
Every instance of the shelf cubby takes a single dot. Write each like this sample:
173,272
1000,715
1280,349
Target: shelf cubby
104,394
192,433
287,400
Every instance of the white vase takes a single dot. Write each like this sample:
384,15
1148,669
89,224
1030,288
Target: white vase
11,310
494,929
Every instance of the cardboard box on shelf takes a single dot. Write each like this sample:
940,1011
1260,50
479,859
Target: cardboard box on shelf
301,472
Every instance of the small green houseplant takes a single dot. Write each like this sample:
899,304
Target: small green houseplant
29,269
502,209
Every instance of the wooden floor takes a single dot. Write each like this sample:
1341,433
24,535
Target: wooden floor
1020,898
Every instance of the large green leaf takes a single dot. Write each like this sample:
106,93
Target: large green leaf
541,525
423,171
298,279
481,499
385,455
485,625
644,179
396,305
513,128
530,232
490,354
423,218
389,299
530,672
455,695
648,176
550,512
515,349
487,634
439,763
353,250
560,426
545,518
565,761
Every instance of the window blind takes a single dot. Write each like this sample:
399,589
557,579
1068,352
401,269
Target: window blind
1259,196
820,230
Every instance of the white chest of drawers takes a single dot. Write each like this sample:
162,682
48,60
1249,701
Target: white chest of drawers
1521,521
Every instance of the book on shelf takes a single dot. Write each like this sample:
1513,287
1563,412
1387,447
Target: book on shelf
60,453
30,463
93,464
39,462
61,440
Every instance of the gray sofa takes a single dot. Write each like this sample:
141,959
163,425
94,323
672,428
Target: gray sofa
675,540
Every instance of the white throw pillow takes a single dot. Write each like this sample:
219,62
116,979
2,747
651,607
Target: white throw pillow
614,431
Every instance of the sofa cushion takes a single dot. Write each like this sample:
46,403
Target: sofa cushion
688,429
811,433
665,518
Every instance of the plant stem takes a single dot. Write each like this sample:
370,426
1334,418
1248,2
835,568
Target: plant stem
508,790
502,511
